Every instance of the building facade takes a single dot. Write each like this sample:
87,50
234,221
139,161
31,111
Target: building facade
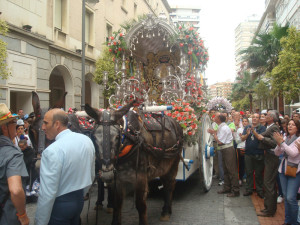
190,16
283,12
44,47
244,34
220,89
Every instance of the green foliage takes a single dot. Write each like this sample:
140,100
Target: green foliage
262,54
242,89
127,25
4,71
105,63
242,104
285,77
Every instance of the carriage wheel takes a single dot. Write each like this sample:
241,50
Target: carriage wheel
206,153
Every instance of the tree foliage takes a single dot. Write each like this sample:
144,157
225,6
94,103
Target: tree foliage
262,54
242,89
4,71
285,76
105,63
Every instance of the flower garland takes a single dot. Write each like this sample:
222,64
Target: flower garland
185,116
219,103
193,45
117,44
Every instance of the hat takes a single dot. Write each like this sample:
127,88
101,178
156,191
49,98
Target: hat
20,122
264,111
5,114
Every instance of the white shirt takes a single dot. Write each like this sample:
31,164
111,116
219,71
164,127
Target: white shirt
67,165
17,139
224,134
238,140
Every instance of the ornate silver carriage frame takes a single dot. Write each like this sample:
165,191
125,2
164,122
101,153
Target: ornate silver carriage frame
162,64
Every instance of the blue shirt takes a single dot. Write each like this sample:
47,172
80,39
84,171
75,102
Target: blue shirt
67,165
251,146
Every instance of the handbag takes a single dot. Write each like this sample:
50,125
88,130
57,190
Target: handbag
291,169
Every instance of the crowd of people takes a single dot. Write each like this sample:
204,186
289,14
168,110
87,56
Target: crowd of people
263,150
64,177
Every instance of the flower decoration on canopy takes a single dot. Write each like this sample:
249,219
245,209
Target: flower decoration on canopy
190,40
116,43
219,103
195,89
184,114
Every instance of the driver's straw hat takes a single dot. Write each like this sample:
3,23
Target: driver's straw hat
5,114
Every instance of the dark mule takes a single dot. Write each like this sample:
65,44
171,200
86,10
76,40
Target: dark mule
144,161
36,134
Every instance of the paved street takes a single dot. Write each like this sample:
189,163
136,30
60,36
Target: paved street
190,207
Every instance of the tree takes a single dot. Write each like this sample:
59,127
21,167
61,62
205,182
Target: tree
4,72
285,77
262,54
243,88
262,92
105,63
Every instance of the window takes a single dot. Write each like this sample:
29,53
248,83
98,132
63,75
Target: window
61,15
89,27
108,31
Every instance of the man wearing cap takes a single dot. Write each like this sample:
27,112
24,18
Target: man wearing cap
20,128
67,167
12,173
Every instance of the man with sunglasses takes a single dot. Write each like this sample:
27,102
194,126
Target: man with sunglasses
12,173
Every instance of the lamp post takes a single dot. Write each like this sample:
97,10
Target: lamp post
83,57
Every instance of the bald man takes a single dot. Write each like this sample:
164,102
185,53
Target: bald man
67,167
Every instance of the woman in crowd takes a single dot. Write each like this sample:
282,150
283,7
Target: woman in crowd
262,119
289,169
283,131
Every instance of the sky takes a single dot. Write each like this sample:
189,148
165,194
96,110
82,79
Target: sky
218,20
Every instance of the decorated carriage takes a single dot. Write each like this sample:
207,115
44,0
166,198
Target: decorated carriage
161,66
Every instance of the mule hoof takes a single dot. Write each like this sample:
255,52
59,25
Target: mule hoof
165,218
109,210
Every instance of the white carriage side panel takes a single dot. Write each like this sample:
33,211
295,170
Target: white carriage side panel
191,153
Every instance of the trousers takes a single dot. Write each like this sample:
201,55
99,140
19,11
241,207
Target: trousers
231,179
67,208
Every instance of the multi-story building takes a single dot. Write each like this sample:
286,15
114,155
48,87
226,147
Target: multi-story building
220,89
190,16
243,36
282,12
44,47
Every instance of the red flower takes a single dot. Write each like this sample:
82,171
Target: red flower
121,35
191,28
179,118
180,27
190,52
181,44
110,50
120,49
187,36
115,43
190,133
112,38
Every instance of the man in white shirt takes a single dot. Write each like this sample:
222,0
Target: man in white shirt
67,167
224,138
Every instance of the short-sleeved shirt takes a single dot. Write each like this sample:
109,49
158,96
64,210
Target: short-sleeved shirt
224,134
11,164
251,146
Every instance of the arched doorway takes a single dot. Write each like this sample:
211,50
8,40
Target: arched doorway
60,81
91,91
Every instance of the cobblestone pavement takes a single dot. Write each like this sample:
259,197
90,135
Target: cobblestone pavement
191,206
